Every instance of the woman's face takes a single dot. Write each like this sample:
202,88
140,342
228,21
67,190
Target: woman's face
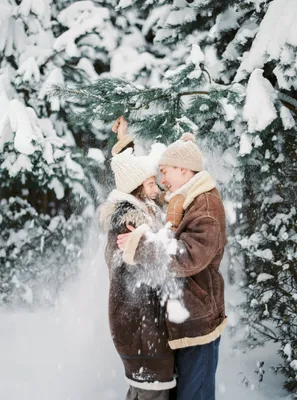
150,188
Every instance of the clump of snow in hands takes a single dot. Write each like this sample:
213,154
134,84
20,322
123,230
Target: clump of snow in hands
164,238
172,289
176,311
154,271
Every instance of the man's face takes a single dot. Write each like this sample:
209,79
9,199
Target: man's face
172,177
150,188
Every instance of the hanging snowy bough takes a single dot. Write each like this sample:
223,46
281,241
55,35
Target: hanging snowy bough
273,43
245,144
96,155
264,277
21,125
287,118
55,76
81,18
264,254
259,110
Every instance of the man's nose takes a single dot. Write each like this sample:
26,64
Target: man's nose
163,180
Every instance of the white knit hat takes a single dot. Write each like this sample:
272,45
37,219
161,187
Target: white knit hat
183,153
131,171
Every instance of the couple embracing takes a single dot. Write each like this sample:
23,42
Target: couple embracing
166,297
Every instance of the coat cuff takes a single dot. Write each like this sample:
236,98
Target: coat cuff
133,242
121,144
152,385
198,340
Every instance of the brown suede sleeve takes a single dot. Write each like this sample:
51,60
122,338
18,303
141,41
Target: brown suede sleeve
175,211
195,249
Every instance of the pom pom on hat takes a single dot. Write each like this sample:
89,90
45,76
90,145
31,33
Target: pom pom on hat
184,153
131,171
157,150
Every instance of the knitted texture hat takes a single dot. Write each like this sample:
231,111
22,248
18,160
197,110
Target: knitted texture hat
131,171
183,153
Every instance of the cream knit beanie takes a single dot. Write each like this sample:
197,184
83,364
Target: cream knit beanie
183,153
131,171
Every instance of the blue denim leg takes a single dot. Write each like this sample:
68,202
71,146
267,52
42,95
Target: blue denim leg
197,367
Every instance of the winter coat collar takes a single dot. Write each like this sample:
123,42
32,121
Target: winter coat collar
200,183
117,197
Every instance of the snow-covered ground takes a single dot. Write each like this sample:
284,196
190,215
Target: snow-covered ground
65,353
236,378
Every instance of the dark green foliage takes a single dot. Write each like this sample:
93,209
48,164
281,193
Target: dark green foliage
31,273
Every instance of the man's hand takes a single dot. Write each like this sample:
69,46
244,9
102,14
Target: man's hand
120,127
124,237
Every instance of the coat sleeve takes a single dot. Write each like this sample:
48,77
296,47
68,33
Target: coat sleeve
194,250
122,145
196,247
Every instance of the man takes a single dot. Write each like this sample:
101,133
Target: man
200,241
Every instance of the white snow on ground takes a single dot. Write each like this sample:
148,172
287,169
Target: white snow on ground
63,353
66,353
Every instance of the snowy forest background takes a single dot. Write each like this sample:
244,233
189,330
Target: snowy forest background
226,70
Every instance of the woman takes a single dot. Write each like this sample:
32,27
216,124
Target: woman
136,322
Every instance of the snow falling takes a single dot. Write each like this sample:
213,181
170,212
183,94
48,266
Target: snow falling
65,351
226,73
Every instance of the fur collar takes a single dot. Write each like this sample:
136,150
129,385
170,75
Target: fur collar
137,214
117,196
200,183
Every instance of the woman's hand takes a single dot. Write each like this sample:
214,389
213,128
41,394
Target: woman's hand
120,127
124,237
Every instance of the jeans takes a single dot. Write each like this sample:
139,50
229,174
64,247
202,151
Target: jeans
196,367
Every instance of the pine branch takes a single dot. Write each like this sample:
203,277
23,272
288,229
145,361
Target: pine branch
191,93
166,96
65,92
146,104
266,330
288,102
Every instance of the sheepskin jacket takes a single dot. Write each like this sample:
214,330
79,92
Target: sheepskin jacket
137,324
200,241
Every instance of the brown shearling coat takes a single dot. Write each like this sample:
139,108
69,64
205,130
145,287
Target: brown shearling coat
138,329
201,238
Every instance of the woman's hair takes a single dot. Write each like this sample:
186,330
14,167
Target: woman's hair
139,193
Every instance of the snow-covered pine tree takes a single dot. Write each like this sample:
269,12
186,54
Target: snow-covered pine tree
238,38
38,170
39,173
43,172
246,36
48,166
268,217
238,97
